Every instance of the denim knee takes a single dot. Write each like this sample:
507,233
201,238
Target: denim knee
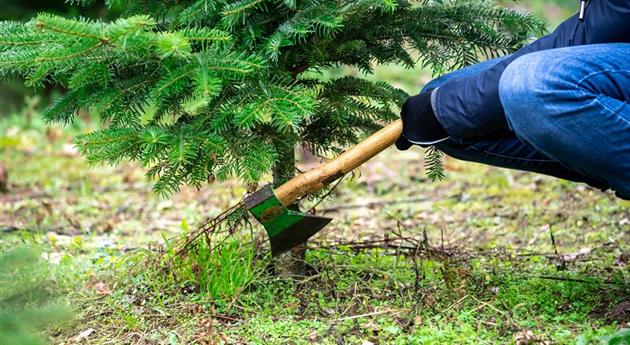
524,90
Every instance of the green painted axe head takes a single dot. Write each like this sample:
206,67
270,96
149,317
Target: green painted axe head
286,228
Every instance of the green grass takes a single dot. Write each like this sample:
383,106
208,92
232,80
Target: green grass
487,272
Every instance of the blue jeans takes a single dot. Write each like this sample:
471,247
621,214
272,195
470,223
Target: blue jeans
569,115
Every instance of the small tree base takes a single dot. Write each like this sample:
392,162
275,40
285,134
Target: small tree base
291,263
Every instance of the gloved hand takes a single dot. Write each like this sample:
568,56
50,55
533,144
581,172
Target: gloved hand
420,126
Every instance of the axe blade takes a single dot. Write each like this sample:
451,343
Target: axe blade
286,228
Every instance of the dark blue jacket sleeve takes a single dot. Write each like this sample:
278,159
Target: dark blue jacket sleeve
470,106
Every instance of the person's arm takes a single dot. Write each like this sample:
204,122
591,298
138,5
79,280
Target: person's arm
470,106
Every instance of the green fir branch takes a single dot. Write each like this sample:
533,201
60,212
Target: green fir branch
433,164
203,89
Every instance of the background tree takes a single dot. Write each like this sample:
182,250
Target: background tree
205,89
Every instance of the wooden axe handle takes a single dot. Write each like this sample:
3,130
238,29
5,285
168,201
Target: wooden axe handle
316,179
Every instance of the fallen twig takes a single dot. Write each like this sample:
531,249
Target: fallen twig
208,227
393,311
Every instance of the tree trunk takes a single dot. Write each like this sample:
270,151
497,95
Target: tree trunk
292,262
4,179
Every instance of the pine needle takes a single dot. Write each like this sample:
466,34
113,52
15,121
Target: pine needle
433,164
220,89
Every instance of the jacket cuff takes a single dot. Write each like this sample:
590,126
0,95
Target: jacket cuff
420,126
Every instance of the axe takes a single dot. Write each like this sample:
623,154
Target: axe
288,228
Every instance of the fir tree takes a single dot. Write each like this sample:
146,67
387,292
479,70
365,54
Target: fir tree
202,89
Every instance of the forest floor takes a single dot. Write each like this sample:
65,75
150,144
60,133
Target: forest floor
488,256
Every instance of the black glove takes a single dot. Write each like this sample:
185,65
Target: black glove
420,126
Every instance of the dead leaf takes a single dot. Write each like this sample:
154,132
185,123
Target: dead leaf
524,337
102,289
47,206
527,337
83,335
107,227
417,321
194,308
573,256
54,257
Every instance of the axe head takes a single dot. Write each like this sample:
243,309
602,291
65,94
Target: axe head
286,228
